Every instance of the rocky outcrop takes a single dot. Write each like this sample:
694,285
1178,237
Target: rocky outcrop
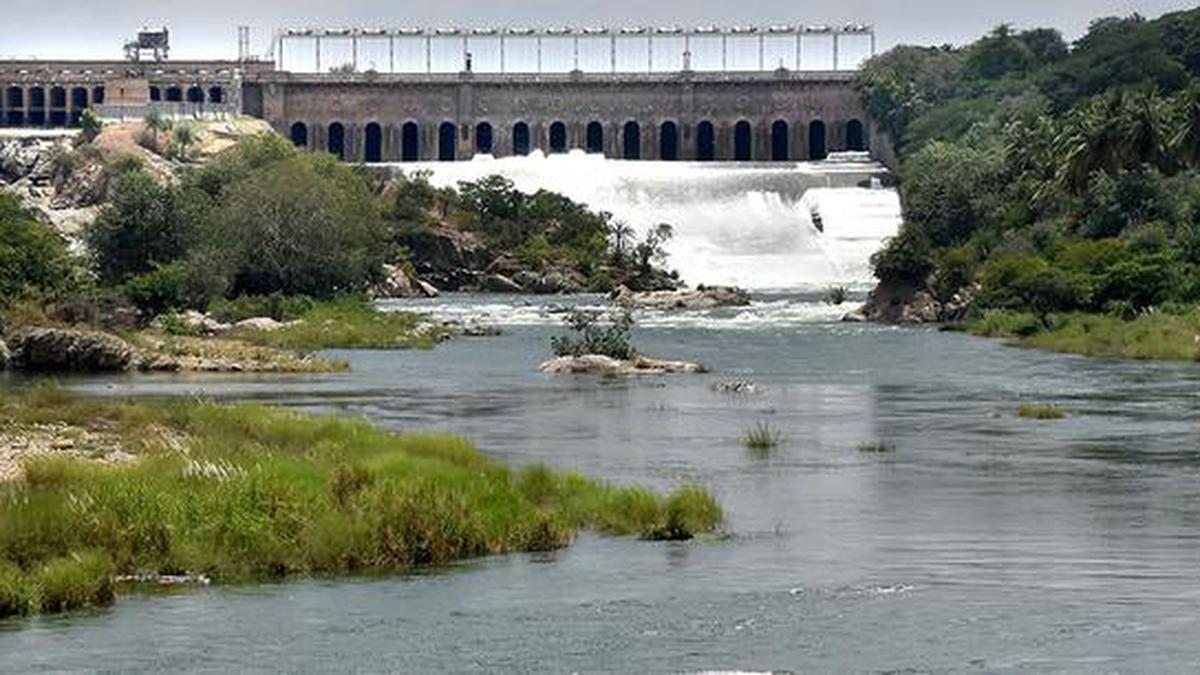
190,322
597,364
398,282
907,303
703,297
4,355
448,258
498,283
263,323
58,349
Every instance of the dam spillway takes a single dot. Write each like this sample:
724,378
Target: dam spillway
745,224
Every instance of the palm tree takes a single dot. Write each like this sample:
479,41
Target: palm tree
1089,141
1144,130
156,122
1185,142
184,137
621,233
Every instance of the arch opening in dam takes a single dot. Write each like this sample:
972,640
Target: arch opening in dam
632,141
558,138
817,148
743,141
779,141
483,138
299,134
706,142
595,138
447,142
335,143
520,139
410,142
856,137
668,141
373,143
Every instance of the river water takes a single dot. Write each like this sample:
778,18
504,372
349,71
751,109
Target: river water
982,542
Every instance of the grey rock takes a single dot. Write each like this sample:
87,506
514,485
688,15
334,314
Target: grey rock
4,355
498,283
703,297
597,364
57,349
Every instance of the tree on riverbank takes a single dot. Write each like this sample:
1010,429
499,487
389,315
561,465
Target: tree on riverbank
1040,178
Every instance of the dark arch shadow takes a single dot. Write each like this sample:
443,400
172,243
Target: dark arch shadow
373,143
483,138
299,134
558,137
410,142
520,139
632,141
97,95
336,142
816,141
779,141
79,103
595,138
856,136
216,95
447,142
174,95
706,142
743,141
668,142
195,95
155,94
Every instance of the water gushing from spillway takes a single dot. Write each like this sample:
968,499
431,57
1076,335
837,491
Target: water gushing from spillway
744,224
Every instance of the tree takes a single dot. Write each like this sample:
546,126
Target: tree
184,136
1046,44
303,225
998,55
144,225
157,123
620,233
91,124
651,250
33,259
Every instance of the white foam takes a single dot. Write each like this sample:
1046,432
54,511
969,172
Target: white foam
741,224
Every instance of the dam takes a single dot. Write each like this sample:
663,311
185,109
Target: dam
682,106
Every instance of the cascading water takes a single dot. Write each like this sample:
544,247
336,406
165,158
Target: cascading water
749,225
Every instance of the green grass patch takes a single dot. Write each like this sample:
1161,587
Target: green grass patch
1040,411
1159,335
349,323
244,492
761,437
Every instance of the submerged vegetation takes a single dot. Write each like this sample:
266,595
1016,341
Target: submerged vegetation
1040,411
1169,334
248,492
351,322
761,437
1043,178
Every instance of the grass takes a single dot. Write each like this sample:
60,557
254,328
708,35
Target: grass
217,353
349,323
761,437
1159,336
1040,411
243,492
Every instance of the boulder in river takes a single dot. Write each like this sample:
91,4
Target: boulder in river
61,349
598,364
399,283
263,323
703,297
498,283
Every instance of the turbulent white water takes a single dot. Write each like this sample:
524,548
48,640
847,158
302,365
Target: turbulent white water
749,225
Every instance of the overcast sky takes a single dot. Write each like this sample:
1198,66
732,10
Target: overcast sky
208,28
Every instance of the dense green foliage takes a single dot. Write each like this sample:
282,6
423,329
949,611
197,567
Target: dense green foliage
261,493
33,259
1056,179
592,334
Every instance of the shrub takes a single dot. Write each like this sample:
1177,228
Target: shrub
836,295
276,306
33,259
75,582
176,286
16,592
592,336
688,511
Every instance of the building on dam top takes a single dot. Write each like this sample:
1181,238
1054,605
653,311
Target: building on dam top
777,93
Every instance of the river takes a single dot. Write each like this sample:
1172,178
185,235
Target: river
983,541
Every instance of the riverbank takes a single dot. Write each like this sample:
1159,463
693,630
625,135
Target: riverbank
1173,336
241,492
